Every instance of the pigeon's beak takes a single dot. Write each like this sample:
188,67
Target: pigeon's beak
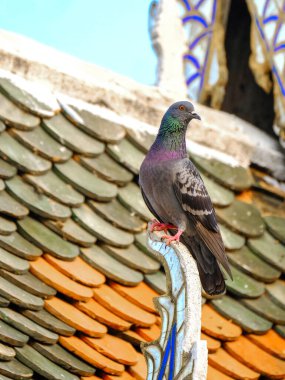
195,116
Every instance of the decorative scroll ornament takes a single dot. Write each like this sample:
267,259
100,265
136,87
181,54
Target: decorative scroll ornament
268,53
205,61
178,354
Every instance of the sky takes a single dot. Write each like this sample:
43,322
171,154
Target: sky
109,33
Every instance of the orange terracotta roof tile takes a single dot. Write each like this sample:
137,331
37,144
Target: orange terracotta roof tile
122,307
139,370
245,196
150,333
78,270
225,363
91,356
141,295
270,342
124,376
74,317
93,377
103,315
217,326
256,358
214,374
51,276
212,344
158,321
133,337
114,348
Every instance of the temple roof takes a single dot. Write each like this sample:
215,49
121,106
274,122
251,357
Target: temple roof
76,276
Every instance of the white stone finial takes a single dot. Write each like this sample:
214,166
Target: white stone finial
169,42
179,353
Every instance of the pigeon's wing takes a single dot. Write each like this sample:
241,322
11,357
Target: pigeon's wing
149,206
192,195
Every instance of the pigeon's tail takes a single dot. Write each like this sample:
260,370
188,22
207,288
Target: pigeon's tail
210,273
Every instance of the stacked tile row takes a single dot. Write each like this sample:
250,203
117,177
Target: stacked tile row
77,279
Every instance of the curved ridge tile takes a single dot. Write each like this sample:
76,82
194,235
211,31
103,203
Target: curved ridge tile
47,240
72,137
38,203
107,168
74,317
242,316
63,284
14,116
22,157
103,230
86,182
110,267
43,144
54,187
242,218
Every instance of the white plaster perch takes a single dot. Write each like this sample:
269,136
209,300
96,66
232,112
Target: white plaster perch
179,353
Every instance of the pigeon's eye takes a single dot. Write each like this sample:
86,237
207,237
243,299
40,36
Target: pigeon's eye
182,108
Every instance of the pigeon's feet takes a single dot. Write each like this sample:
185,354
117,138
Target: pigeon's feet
157,226
169,239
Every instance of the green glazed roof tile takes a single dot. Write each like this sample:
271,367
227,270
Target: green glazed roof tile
41,365
4,302
157,281
14,116
63,358
236,178
47,240
243,218
6,353
30,283
2,127
100,128
118,215
133,258
42,143
27,100
232,240
277,292
143,140
50,322
241,315
276,226
56,188
248,262
11,207
103,230
86,182
6,226
126,154
15,370
28,327
280,330
40,204
269,249
6,170
13,263
141,243
2,185
266,309
12,336
107,168
76,140
16,244
130,196
70,230
19,296
220,196
22,157
111,267
244,286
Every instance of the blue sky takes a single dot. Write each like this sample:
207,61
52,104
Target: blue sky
110,33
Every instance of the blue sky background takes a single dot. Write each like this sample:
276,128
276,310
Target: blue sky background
110,33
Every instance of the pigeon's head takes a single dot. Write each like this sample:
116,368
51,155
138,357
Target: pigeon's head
183,112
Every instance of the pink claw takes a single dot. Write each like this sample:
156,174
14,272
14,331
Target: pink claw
175,237
157,226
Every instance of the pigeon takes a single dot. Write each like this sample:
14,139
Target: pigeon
174,192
